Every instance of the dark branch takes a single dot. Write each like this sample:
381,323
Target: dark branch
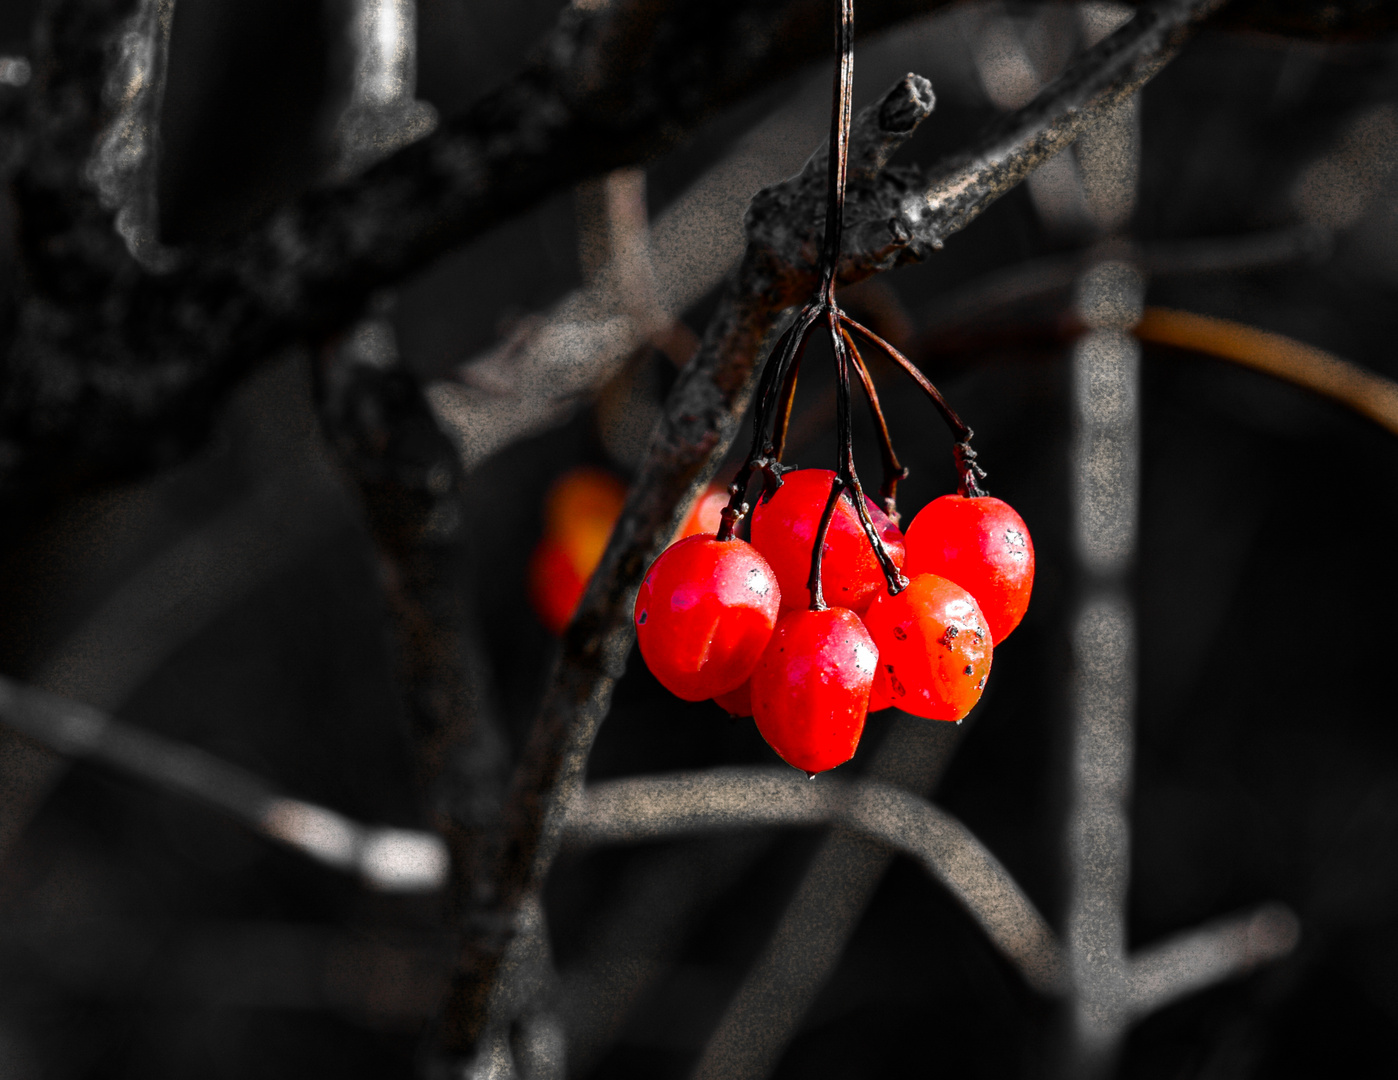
95,391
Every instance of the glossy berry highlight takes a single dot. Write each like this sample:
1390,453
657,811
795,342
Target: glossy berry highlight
934,648
784,529
810,690
705,612
983,545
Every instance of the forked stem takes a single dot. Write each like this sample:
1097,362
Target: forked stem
893,470
968,472
777,389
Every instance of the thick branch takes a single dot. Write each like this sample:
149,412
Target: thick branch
93,393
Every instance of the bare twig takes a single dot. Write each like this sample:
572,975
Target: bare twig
160,607
1211,954
984,296
811,936
626,811
395,860
1366,392
659,898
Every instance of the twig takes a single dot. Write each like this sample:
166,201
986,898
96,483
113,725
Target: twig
1000,289
1366,392
393,860
828,903
1097,81
652,808
1211,954
154,611
701,418
658,899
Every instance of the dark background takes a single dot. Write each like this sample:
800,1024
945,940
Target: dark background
141,935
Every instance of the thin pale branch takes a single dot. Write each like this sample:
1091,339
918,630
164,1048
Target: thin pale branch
394,860
157,609
1213,953
652,808
809,939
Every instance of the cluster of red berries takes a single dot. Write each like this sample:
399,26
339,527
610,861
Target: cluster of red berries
734,621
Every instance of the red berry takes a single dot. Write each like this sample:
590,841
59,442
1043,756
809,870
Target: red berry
878,701
784,528
810,690
579,511
736,702
981,544
704,614
707,514
934,648
555,586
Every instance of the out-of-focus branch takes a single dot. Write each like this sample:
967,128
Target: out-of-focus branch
1211,954
1367,393
829,901
549,363
410,481
659,899
152,613
652,808
984,296
395,860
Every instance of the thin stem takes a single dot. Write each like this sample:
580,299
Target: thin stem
785,401
969,474
959,431
839,153
787,352
818,547
893,470
848,475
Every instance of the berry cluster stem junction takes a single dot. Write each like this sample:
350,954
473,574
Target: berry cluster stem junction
776,389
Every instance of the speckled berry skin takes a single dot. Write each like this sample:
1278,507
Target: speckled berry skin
704,614
934,648
984,546
810,690
784,529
